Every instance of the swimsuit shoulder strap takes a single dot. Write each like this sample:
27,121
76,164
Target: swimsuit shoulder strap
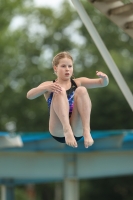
73,83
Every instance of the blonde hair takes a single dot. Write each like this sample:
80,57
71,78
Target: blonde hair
59,56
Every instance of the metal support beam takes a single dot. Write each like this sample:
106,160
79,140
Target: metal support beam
121,10
22,166
71,183
3,192
129,25
71,189
104,1
104,52
7,192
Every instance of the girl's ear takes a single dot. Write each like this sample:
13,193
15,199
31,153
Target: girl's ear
55,68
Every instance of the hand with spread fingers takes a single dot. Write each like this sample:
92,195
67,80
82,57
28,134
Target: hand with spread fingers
55,87
104,78
101,74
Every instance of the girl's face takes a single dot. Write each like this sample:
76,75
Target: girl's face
64,69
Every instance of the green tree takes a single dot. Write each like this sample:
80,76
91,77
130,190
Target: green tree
26,52
107,188
26,56
109,107
26,61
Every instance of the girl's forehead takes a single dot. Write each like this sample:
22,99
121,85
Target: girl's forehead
65,61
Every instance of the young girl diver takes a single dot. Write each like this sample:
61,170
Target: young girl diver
68,101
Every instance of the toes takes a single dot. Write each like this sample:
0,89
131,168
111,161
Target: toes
74,145
88,144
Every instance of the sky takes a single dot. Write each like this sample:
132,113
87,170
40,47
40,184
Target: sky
19,20
50,3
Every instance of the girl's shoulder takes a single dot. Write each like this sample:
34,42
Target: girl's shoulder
77,81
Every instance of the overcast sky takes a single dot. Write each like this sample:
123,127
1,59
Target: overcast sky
50,3
19,20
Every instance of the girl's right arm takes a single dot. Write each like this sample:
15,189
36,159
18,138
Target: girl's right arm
48,86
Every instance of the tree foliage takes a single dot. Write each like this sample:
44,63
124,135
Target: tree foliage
107,188
29,39
26,55
26,52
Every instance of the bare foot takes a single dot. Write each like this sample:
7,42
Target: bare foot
69,137
88,140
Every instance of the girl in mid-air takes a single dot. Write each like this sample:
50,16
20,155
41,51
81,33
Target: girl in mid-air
68,101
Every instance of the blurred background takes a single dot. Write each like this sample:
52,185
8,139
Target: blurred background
31,33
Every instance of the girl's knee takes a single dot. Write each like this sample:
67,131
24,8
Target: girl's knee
81,90
63,92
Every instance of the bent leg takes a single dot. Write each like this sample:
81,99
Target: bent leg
80,119
59,124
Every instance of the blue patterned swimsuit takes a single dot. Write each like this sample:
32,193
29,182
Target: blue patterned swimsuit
70,96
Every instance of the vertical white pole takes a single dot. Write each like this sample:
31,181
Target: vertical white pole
7,192
71,182
104,52
71,189
3,192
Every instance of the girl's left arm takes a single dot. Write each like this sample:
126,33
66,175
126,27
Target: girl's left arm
102,81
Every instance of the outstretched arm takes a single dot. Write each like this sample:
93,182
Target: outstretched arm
102,81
